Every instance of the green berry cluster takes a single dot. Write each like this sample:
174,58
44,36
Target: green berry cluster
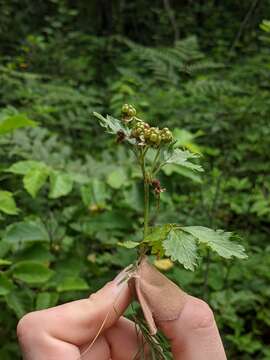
152,136
142,131
128,111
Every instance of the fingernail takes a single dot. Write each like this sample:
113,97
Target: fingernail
120,281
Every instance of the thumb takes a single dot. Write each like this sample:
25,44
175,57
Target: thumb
78,322
194,334
186,321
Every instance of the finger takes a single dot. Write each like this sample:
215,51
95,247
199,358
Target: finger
194,335
100,350
77,322
125,341
122,341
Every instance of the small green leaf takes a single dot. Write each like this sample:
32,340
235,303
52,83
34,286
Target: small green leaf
19,301
4,262
183,171
31,272
129,244
38,251
180,246
217,240
185,139
4,248
46,299
61,184
26,231
94,193
158,233
72,284
5,285
35,179
156,237
23,167
180,157
114,126
14,122
109,220
7,203
265,26
117,178
111,124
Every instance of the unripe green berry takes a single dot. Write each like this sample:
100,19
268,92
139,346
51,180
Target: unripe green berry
153,138
125,109
147,134
163,137
128,111
166,135
131,111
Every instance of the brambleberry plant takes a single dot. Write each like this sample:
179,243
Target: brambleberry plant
155,148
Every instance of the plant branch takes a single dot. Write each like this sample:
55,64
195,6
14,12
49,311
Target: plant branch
152,172
146,195
211,220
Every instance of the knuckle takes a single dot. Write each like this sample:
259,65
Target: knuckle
97,296
200,314
92,297
27,325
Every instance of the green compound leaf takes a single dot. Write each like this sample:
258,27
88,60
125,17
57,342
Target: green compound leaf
7,203
114,126
111,124
218,240
182,247
181,157
31,272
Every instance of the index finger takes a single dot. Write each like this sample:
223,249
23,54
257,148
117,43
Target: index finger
78,322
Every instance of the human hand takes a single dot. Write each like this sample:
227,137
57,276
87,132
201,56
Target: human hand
65,331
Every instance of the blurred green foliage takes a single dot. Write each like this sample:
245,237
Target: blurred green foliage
69,194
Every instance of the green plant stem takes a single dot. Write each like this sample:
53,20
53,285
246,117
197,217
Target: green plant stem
155,161
208,256
141,157
146,196
146,209
206,275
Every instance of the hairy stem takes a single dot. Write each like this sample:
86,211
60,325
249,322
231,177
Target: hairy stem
141,158
146,196
146,209
155,162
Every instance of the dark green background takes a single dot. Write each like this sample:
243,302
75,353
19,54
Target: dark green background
202,66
